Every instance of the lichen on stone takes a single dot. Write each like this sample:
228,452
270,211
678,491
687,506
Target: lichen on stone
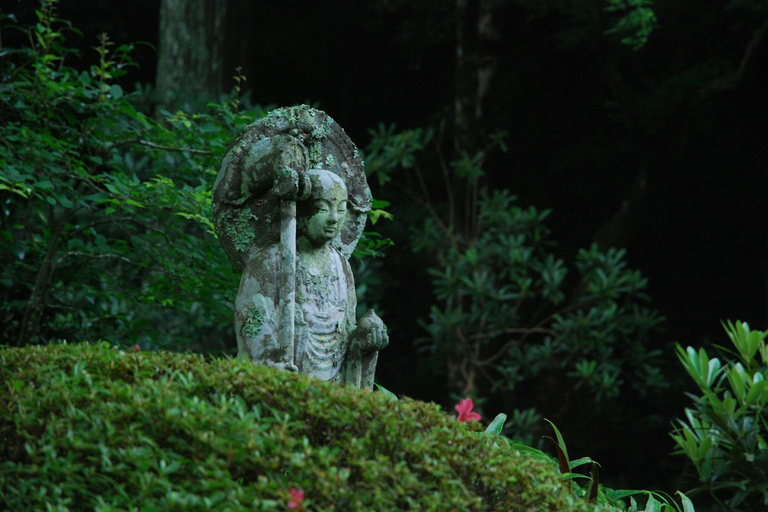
268,121
322,131
253,321
239,228
315,151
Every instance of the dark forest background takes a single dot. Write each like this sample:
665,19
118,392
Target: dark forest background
656,146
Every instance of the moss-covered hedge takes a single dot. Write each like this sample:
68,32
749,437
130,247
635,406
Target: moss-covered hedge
88,427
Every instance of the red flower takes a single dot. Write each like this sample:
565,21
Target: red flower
136,348
297,499
464,408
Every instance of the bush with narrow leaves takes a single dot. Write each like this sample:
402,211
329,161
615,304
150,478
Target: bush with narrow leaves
724,433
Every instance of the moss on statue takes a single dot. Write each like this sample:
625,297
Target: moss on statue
254,321
240,228
87,427
316,153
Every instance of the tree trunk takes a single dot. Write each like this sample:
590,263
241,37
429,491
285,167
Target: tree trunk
33,313
488,38
476,45
189,63
464,78
477,36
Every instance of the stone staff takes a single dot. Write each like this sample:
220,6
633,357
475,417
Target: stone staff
291,184
288,278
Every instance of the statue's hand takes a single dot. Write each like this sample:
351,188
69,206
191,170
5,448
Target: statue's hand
290,367
371,333
291,180
291,183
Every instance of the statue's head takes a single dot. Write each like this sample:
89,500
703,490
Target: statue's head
321,217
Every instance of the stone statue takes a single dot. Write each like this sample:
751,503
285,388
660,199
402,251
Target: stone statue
289,206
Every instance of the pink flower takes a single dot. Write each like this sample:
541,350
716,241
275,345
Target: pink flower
297,499
464,408
136,348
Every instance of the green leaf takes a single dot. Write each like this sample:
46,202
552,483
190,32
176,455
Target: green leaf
594,483
134,203
617,494
562,451
64,201
116,91
580,462
377,204
386,392
497,425
96,198
375,215
756,393
15,189
703,370
524,448
687,503
44,184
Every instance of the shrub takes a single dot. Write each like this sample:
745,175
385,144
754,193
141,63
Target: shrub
105,228
89,427
724,433
511,321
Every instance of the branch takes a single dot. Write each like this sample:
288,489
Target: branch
490,359
91,256
154,230
513,330
729,82
108,220
446,174
427,202
158,146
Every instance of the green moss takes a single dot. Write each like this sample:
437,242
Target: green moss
88,427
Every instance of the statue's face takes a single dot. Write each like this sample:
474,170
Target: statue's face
327,211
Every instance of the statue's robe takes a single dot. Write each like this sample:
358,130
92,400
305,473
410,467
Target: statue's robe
324,319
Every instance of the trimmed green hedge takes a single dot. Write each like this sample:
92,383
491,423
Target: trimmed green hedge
89,427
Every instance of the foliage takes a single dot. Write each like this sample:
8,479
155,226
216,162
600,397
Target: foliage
724,433
105,223
655,501
632,20
89,427
636,22
507,320
371,243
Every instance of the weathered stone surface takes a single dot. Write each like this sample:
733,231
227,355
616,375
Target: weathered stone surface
257,156
290,204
